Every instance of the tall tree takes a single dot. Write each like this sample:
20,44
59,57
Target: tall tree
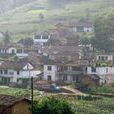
6,38
104,33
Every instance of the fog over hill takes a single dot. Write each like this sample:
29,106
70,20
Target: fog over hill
10,4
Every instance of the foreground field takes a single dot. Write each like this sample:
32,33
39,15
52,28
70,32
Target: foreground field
81,104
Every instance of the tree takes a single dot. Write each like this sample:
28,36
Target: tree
41,16
6,38
52,105
104,33
28,42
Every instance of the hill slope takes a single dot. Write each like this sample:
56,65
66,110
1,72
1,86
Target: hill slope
22,21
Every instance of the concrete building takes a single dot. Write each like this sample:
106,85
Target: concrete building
104,57
106,74
67,73
15,71
41,39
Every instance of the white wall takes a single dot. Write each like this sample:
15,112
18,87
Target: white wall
88,29
101,70
28,66
109,57
40,40
52,73
23,74
9,51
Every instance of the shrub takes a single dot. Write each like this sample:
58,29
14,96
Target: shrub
52,105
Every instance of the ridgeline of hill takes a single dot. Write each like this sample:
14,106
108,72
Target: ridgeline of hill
23,18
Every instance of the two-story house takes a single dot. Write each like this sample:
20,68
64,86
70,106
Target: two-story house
81,26
106,74
41,38
105,57
16,71
8,51
67,73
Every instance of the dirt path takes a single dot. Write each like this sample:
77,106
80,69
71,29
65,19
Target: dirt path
74,91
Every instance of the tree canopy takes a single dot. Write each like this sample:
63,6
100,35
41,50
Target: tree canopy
52,105
104,33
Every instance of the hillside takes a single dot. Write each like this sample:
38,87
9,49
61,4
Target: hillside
23,20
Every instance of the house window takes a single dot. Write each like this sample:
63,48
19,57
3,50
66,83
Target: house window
1,72
93,69
77,79
11,73
74,78
106,70
19,50
65,68
65,78
113,58
74,68
103,58
99,58
5,71
13,51
49,78
18,72
49,68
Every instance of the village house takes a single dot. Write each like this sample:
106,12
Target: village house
66,73
106,74
105,57
14,105
81,26
41,39
69,73
17,72
8,51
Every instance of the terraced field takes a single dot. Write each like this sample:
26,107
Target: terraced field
23,21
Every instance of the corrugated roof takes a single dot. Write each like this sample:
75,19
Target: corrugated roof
15,65
7,100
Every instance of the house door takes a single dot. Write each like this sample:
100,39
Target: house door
76,79
13,51
49,78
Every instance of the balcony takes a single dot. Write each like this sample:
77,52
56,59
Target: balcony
69,72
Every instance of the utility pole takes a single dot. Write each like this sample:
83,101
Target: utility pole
31,87
32,93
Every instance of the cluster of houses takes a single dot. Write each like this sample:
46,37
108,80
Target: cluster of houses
64,64
51,58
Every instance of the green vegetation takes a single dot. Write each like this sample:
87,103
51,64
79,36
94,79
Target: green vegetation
104,36
107,89
52,105
80,104
17,92
25,20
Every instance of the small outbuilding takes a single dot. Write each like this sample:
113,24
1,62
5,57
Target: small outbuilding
14,105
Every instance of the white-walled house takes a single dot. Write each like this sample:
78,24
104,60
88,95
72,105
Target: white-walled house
41,39
106,74
82,26
81,29
104,57
12,71
63,73
12,51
